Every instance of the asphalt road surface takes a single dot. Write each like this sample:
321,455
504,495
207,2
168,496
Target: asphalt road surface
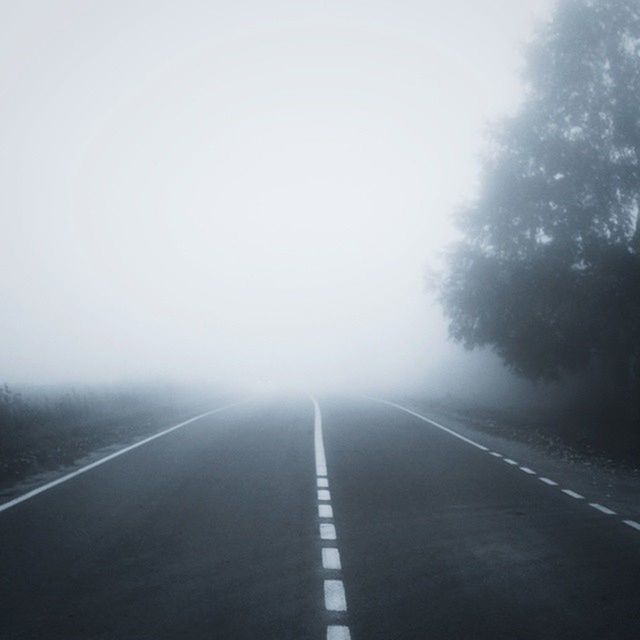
278,519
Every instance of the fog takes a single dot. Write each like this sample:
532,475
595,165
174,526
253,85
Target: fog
242,192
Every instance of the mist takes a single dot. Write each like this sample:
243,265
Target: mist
320,319
243,193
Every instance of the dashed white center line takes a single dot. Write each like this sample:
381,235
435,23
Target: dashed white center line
318,442
496,454
327,531
573,494
602,509
325,511
338,632
531,472
334,597
632,523
331,559
551,483
510,461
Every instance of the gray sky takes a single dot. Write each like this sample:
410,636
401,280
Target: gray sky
239,190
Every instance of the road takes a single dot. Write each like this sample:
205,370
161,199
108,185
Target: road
224,528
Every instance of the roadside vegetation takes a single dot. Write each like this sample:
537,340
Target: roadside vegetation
44,429
547,271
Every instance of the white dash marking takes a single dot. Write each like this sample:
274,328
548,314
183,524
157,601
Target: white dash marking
602,509
327,531
324,494
323,483
325,511
551,483
334,596
510,461
331,559
496,454
531,472
573,494
633,524
338,632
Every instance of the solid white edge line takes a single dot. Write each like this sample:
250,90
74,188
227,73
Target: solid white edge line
97,463
496,454
334,595
431,422
602,509
338,632
573,494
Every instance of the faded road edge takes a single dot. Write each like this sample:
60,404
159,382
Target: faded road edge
49,485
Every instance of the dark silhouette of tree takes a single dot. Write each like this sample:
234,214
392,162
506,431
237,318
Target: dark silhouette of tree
548,271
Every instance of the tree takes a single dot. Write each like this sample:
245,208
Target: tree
548,270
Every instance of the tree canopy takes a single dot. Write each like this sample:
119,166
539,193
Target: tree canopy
548,269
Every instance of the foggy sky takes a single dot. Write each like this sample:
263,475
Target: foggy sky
240,191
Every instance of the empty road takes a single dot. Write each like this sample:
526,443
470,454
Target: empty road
295,519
